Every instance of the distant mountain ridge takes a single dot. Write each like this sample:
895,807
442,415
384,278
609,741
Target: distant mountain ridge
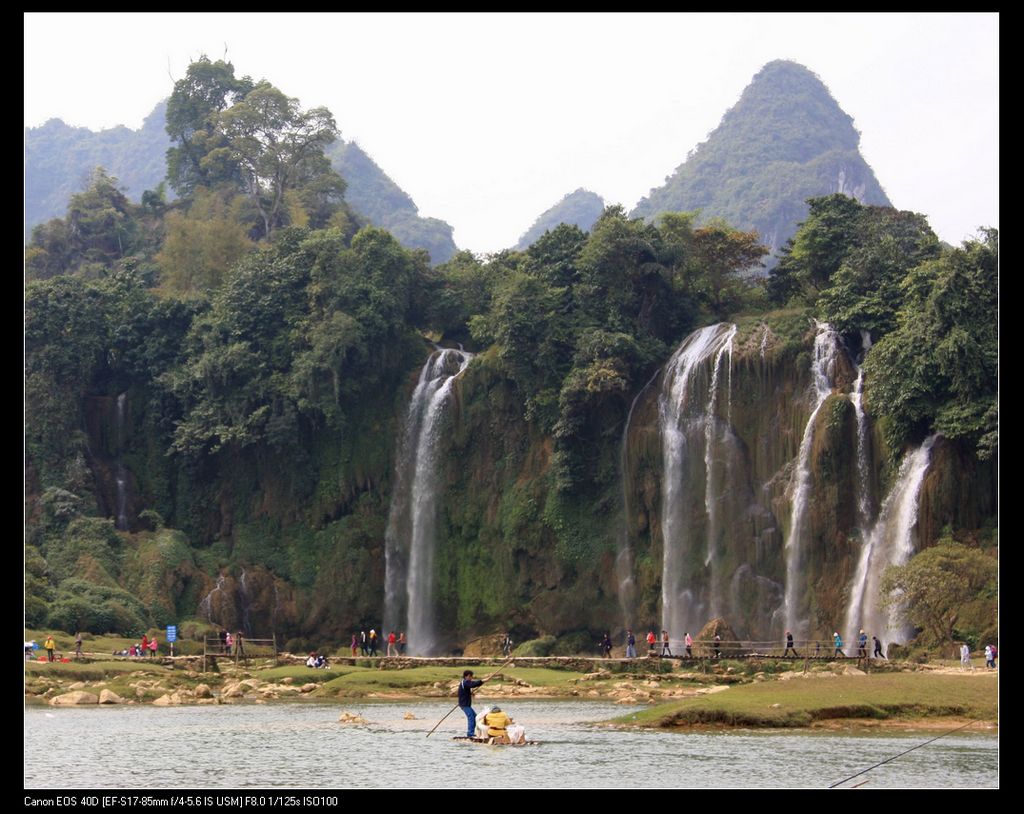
784,141
59,160
581,208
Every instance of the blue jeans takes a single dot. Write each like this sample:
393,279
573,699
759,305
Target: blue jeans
470,721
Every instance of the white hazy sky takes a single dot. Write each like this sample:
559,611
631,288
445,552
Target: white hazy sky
486,120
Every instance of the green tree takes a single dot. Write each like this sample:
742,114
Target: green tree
207,89
719,254
948,591
938,370
278,147
201,245
101,227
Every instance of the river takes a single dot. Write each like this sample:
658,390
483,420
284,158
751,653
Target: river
302,745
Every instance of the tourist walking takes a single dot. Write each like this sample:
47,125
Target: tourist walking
878,648
78,645
862,645
355,644
606,645
402,642
630,645
837,640
392,640
665,649
965,657
50,646
651,641
362,643
689,645
373,642
718,646
789,645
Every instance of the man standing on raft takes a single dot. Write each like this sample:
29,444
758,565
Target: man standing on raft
466,687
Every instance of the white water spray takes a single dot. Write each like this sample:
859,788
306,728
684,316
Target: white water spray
826,349
891,542
683,412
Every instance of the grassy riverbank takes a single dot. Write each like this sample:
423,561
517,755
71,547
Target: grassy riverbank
765,693
898,698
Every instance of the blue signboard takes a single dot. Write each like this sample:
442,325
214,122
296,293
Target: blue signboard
172,633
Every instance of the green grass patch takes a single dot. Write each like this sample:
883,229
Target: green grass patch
305,674
362,681
539,676
94,671
802,701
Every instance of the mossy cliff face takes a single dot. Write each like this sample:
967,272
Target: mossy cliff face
512,551
292,540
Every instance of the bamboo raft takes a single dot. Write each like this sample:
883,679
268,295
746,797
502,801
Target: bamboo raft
494,742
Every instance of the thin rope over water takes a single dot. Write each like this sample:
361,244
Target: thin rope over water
911,749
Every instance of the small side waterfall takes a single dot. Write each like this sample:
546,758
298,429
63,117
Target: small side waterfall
624,558
122,474
686,417
891,542
826,349
409,538
206,604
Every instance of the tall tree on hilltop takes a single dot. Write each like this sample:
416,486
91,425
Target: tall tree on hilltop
275,144
207,89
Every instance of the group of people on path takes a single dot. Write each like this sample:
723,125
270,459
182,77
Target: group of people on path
367,643
991,653
231,643
652,644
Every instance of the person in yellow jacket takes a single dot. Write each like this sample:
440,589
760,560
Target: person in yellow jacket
496,723
50,647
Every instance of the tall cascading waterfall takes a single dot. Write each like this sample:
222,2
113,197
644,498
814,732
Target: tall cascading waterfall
891,542
715,479
686,410
409,538
826,350
122,474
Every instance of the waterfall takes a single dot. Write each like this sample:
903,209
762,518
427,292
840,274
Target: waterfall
206,605
891,542
122,474
243,593
863,464
685,417
624,558
714,483
409,538
826,347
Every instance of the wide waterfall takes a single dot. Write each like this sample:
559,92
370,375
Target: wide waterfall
410,537
890,542
687,419
826,350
